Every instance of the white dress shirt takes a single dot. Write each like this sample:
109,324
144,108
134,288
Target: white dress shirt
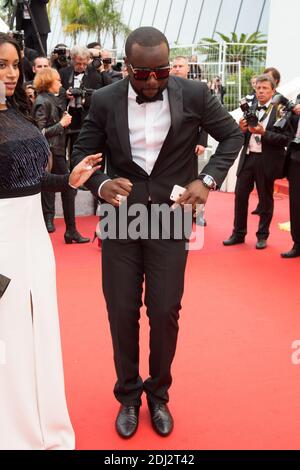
254,146
148,124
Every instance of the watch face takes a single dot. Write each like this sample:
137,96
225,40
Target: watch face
208,181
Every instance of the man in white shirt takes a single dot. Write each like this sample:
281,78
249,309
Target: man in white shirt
262,161
148,125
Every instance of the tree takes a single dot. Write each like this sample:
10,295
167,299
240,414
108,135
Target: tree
72,17
115,24
93,16
245,49
103,17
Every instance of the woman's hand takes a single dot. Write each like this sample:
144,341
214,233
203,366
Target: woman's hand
84,170
66,119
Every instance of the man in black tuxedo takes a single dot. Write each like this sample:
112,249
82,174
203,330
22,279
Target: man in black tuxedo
148,124
262,161
80,74
24,22
293,174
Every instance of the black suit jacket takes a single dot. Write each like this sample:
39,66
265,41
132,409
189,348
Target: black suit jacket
191,107
39,12
274,143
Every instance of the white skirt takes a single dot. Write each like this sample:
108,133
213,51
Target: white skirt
33,409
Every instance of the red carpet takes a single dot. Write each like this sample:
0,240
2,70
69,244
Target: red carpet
235,386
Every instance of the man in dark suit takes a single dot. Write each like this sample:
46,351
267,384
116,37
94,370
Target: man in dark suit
148,124
262,161
80,74
24,22
293,174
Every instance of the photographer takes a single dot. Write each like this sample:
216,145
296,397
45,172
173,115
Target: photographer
293,175
60,57
79,80
24,22
108,66
262,161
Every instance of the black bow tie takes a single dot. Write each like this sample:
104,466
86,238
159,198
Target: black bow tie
143,99
77,73
259,108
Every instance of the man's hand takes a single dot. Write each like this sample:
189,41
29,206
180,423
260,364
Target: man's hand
111,190
259,129
199,150
84,170
243,125
195,193
296,110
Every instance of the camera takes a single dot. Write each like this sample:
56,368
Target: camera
60,51
249,113
286,111
79,94
18,36
96,62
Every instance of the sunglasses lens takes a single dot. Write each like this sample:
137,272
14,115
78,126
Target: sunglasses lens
141,74
160,74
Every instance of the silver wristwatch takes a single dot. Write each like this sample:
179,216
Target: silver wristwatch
208,182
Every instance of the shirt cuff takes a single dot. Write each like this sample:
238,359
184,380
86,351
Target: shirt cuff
100,187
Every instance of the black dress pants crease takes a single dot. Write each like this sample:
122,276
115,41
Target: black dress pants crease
125,265
294,192
253,172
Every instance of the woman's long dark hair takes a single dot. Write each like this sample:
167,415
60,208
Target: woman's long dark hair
19,100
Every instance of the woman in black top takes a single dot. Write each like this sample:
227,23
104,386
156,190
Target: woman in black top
33,410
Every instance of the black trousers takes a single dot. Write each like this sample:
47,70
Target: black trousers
294,192
60,167
251,173
31,39
125,265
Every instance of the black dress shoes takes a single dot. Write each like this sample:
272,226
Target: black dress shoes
127,421
256,211
161,418
234,240
74,236
50,225
293,253
261,244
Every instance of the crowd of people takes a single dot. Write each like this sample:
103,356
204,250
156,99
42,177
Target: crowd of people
150,121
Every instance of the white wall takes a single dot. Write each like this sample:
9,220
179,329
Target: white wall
283,43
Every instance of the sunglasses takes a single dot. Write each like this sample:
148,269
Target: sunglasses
144,73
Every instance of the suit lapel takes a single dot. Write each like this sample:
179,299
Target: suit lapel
121,116
176,111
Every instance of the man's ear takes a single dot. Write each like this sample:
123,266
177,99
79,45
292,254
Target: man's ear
126,61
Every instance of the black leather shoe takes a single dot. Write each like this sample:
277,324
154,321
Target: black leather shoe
261,244
293,253
74,236
256,211
127,421
161,418
50,225
234,240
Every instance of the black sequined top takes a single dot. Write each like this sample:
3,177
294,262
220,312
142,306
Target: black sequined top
24,153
